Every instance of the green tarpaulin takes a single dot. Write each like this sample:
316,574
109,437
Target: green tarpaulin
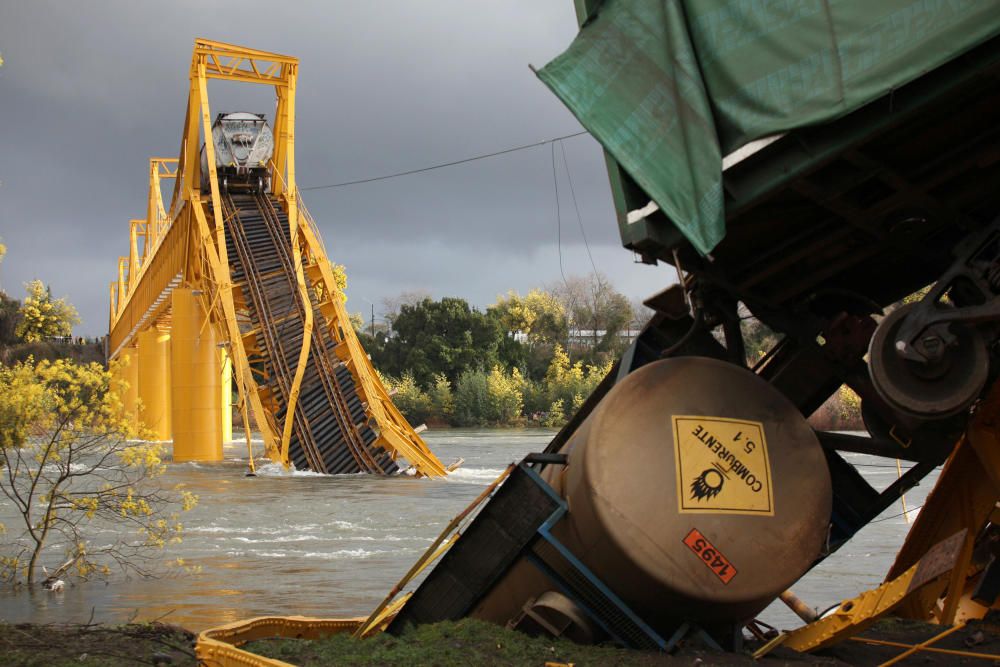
670,86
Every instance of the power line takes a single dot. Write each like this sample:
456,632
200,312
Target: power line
555,184
446,164
895,516
579,218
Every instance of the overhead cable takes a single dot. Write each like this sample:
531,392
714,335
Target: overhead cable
555,184
895,516
445,164
579,218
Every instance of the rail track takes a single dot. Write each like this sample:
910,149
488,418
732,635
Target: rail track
331,431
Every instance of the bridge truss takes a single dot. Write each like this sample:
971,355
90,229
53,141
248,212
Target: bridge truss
178,315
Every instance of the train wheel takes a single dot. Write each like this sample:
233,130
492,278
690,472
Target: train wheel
931,390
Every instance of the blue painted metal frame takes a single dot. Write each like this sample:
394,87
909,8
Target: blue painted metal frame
545,532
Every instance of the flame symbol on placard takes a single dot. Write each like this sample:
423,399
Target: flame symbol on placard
707,485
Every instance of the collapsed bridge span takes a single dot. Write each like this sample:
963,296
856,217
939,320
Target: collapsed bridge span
232,277
330,431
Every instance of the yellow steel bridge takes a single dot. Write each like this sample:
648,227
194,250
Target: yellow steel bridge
220,287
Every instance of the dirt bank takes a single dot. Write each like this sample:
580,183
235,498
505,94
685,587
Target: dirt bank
460,644
32,645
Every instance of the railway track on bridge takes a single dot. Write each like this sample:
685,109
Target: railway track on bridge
331,432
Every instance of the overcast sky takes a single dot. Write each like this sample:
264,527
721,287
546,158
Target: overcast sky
89,91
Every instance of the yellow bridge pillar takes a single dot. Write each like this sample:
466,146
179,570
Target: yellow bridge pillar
196,379
127,382
226,412
154,382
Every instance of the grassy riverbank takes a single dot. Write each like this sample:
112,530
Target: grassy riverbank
470,642
466,642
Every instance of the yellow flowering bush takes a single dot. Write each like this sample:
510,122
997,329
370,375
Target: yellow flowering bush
42,316
568,385
72,468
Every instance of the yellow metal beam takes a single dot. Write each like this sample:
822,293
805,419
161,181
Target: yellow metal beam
927,647
156,214
953,504
218,646
225,395
133,257
395,433
141,306
249,394
857,614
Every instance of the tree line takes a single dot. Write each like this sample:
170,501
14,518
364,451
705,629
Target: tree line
39,326
524,360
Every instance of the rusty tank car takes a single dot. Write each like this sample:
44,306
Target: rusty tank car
689,491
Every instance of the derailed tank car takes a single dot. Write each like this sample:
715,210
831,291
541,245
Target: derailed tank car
243,144
689,490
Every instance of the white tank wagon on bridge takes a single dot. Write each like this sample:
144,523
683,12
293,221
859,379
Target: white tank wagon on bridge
244,145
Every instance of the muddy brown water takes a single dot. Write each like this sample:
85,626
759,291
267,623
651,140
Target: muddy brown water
315,545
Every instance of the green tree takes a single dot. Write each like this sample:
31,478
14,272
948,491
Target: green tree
42,316
9,311
444,337
556,416
488,399
539,320
411,400
535,397
10,315
539,316
71,471
569,384
442,398
505,397
472,398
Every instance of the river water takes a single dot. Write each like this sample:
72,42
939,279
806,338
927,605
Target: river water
316,545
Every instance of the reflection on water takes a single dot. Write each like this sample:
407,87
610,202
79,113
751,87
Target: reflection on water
319,545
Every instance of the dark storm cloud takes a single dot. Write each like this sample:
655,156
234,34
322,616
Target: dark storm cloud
89,91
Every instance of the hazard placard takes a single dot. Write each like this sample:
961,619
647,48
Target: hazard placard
722,466
710,556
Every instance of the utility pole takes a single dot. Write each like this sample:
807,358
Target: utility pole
373,321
